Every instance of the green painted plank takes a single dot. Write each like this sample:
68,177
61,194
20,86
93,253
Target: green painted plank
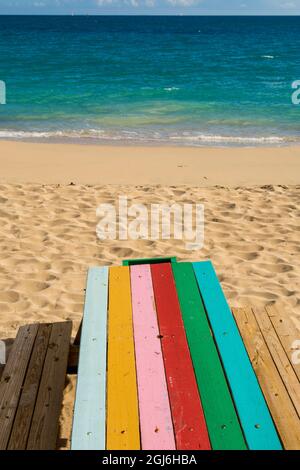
258,427
131,262
223,426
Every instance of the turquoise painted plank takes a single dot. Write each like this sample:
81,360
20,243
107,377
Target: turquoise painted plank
255,418
89,420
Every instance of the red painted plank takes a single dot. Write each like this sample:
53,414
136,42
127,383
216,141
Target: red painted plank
187,413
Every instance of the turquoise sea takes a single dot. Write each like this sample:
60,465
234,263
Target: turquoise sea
150,80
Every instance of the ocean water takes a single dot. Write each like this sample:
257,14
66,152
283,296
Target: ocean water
151,80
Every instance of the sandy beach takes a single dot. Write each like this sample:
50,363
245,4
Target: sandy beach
95,164
48,199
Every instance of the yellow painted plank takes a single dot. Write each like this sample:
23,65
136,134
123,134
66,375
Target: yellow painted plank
122,432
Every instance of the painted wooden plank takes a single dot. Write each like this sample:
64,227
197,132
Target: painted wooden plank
280,358
287,333
89,420
13,378
254,415
131,262
155,414
279,402
122,403
187,413
223,425
45,421
22,422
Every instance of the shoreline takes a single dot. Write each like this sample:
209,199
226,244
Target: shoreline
57,163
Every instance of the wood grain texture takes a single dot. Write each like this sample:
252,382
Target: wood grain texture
287,334
155,414
223,425
122,399
12,380
277,397
89,421
254,415
280,357
187,413
22,422
44,427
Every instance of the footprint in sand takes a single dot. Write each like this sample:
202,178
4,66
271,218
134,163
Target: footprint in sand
32,286
9,296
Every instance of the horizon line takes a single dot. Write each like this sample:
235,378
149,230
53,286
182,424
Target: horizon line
154,14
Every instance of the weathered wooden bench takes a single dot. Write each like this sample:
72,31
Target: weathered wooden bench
31,387
164,364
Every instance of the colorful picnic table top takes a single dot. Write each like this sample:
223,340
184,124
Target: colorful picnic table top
163,366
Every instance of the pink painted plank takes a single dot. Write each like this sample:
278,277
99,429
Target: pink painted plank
154,407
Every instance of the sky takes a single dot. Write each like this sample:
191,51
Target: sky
151,7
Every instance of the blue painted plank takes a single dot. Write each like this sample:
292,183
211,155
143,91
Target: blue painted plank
89,420
255,418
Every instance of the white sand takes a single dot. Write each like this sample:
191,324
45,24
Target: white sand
48,239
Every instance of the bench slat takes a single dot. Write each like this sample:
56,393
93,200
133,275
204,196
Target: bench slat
44,427
276,395
223,425
188,418
122,401
155,414
12,379
89,420
21,426
287,333
257,424
280,357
